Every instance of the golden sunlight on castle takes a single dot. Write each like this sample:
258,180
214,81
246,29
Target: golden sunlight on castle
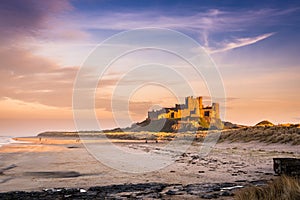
192,110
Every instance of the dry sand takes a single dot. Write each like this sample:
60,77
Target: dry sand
61,162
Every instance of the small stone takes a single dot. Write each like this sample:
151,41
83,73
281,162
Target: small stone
184,155
171,192
268,173
240,181
226,194
209,196
82,190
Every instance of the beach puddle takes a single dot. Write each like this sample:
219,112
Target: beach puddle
53,174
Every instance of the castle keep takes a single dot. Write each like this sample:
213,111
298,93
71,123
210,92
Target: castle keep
192,110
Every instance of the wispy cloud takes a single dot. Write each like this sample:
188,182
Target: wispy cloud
207,24
240,42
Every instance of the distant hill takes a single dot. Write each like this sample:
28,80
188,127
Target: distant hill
265,123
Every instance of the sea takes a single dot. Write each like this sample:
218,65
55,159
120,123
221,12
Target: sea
6,140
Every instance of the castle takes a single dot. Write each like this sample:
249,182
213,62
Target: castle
192,110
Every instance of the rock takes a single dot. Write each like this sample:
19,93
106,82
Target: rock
184,155
128,191
241,171
171,192
226,194
195,157
225,185
210,196
288,166
240,181
268,174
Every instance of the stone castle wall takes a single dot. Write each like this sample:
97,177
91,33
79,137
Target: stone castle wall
192,109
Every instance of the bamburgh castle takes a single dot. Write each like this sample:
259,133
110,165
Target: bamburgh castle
192,110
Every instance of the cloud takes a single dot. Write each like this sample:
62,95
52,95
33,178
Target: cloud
213,27
27,77
240,42
24,75
138,108
27,18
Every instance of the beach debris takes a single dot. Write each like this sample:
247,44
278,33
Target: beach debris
52,189
232,187
287,166
82,190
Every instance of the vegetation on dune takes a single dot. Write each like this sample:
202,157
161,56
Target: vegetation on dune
282,188
264,123
169,129
274,134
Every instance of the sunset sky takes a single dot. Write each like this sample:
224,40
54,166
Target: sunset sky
255,46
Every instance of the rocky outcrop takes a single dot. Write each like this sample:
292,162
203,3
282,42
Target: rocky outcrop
131,191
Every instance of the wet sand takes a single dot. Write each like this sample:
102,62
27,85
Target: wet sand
65,163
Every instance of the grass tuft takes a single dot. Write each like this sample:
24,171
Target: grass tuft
282,188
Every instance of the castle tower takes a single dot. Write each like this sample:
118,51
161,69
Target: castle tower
216,110
200,107
194,106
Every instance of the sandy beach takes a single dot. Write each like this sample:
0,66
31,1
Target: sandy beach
65,163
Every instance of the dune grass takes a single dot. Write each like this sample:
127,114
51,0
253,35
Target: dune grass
275,134
282,188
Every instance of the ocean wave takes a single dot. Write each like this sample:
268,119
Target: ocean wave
5,140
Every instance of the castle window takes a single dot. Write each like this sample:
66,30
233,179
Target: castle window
206,113
193,111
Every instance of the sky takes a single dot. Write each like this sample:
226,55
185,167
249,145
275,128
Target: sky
255,46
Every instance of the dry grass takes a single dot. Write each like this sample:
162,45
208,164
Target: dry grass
282,188
275,134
